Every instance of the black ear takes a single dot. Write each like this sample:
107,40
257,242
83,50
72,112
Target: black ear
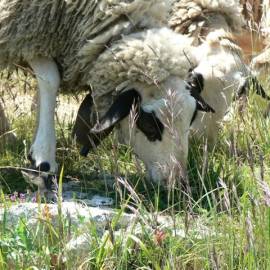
93,141
195,84
82,126
251,82
150,125
118,111
259,89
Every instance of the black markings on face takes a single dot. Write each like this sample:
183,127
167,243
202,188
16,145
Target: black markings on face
195,84
90,135
150,125
251,83
195,81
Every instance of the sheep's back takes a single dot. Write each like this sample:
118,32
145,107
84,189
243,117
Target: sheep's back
32,28
60,29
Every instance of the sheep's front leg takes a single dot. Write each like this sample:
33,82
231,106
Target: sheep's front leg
42,152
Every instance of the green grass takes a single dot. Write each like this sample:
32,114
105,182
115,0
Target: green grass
226,195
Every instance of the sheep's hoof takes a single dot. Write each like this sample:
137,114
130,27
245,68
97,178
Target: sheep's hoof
44,167
42,180
38,175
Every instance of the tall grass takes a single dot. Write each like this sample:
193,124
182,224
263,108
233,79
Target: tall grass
230,197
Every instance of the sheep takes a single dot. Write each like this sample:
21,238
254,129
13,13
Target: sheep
109,47
142,67
211,24
262,61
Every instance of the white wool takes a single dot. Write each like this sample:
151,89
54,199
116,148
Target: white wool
230,8
220,64
211,23
73,33
219,40
197,17
104,44
261,63
154,62
148,57
265,22
157,14
161,158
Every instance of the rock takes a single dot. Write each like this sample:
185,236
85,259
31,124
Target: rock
69,195
81,217
99,201
32,213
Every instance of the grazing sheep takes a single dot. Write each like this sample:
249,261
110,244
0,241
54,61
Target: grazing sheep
262,61
146,68
211,24
198,18
104,45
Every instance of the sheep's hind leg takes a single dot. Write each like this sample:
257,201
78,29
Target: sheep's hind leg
42,152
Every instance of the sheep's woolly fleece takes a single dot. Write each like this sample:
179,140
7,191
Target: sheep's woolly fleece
149,57
73,32
189,17
223,39
265,19
262,61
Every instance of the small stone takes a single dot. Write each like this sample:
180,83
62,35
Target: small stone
99,201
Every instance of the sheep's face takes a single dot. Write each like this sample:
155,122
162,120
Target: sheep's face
161,141
159,134
155,121
220,69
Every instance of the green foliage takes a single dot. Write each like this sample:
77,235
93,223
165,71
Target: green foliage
228,194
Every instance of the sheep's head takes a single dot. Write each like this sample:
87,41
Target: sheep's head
154,120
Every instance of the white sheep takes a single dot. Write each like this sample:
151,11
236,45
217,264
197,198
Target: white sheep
261,63
211,24
147,68
104,45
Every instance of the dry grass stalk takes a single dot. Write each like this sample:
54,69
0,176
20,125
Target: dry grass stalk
6,136
251,39
249,232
